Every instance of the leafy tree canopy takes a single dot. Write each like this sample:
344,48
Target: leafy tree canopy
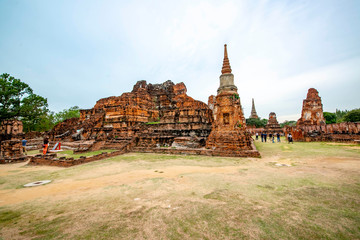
288,123
340,115
257,122
17,100
330,117
73,112
47,121
352,116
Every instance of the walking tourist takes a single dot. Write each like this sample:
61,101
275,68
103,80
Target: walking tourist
290,139
23,143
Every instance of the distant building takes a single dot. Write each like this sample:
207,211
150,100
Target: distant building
253,111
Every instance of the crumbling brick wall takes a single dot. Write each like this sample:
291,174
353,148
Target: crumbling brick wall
11,148
11,131
337,132
150,113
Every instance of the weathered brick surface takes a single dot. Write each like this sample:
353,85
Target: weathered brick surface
336,132
199,151
11,131
53,160
150,115
7,160
11,127
312,110
11,148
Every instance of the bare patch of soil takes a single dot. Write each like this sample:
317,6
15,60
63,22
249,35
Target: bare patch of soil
106,176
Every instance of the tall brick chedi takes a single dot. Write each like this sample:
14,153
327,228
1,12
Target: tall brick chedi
253,111
312,110
229,136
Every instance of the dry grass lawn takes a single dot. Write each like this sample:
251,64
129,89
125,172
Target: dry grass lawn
153,196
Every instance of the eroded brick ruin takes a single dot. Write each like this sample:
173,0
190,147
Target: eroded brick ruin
152,115
163,118
312,126
11,132
272,125
312,110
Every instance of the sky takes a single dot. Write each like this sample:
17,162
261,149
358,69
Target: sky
76,52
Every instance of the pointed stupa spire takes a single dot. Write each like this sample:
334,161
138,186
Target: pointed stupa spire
253,111
226,69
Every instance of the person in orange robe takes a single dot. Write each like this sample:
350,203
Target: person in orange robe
46,145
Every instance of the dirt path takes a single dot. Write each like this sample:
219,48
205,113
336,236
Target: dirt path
89,181
16,168
69,187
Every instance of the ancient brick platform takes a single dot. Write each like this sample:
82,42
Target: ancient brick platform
336,132
5,160
53,160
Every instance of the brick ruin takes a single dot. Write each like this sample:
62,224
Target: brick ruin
253,111
312,126
229,136
163,118
11,132
272,125
312,110
151,116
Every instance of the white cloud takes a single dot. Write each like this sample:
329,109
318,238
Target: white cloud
277,49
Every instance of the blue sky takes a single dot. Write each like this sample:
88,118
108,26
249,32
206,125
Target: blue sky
76,52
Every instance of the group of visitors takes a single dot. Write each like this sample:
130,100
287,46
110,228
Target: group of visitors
264,136
45,145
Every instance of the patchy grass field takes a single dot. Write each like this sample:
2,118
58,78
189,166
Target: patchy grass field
151,196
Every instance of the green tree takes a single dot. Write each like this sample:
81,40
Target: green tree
257,122
353,116
73,112
12,92
330,117
340,115
288,123
17,100
46,123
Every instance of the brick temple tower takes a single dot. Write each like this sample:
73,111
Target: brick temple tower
312,110
272,125
229,136
253,111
